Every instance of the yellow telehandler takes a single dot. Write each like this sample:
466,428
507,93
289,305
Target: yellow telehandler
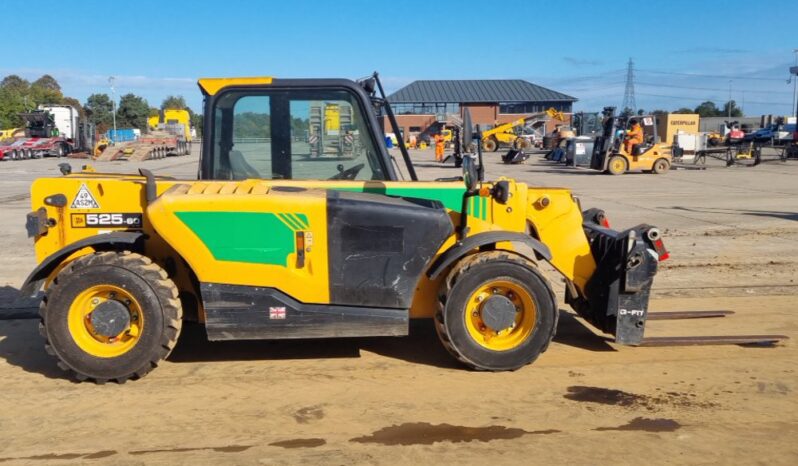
270,244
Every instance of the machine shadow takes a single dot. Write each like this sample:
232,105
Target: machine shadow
435,165
421,346
20,342
23,347
572,332
15,306
567,170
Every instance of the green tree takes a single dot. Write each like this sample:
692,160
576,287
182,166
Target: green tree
196,122
14,99
735,110
660,112
75,103
99,109
174,102
132,112
46,90
17,95
13,81
684,110
252,125
47,82
707,109
627,112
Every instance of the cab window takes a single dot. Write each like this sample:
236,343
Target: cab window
313,134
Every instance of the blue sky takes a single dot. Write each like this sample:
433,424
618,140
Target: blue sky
684,51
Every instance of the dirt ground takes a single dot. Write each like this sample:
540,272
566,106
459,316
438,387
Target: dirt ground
732,233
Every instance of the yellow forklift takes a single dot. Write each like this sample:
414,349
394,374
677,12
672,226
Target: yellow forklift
610,156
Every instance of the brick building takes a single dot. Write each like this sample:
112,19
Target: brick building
421,105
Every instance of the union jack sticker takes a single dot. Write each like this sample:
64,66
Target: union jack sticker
277,313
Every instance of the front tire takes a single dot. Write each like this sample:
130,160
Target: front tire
497,312
490,145
111,316
617,165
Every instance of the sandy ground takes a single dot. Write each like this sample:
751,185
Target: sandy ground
732,233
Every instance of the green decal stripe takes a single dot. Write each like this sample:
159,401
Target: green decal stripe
302,219
290,221
252,237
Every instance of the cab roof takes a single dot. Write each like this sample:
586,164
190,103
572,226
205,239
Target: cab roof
211,86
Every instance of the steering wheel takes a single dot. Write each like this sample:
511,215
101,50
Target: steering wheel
348,174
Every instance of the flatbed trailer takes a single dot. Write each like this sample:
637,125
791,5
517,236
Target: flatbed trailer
155,145
36,148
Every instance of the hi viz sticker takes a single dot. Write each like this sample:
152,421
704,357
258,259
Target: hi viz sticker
84,199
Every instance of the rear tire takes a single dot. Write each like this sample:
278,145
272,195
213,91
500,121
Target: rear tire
490,145
464,316
661,166
122,282
617,165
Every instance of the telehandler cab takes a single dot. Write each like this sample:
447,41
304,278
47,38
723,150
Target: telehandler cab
270,243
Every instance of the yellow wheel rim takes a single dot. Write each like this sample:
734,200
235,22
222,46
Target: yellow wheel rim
617,165
83,332
507,339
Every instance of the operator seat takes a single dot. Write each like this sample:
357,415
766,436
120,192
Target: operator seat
640,149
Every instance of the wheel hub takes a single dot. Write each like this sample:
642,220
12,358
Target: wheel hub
110,318
498,313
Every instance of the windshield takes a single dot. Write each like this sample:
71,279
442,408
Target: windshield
296,134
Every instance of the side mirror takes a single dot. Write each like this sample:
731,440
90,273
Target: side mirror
468,131
369,85
470,173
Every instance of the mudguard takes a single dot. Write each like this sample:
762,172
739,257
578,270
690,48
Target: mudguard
459,250
115,241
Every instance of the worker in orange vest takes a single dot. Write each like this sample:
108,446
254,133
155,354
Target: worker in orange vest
439,147
633,137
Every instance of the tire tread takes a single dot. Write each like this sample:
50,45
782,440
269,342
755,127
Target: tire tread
156,278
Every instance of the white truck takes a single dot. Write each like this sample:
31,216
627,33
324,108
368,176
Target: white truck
54,130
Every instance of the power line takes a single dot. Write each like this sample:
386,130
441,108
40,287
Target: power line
717,76
558,81
603,87
709,88
706,99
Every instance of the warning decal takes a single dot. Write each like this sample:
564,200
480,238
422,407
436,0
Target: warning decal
84,199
